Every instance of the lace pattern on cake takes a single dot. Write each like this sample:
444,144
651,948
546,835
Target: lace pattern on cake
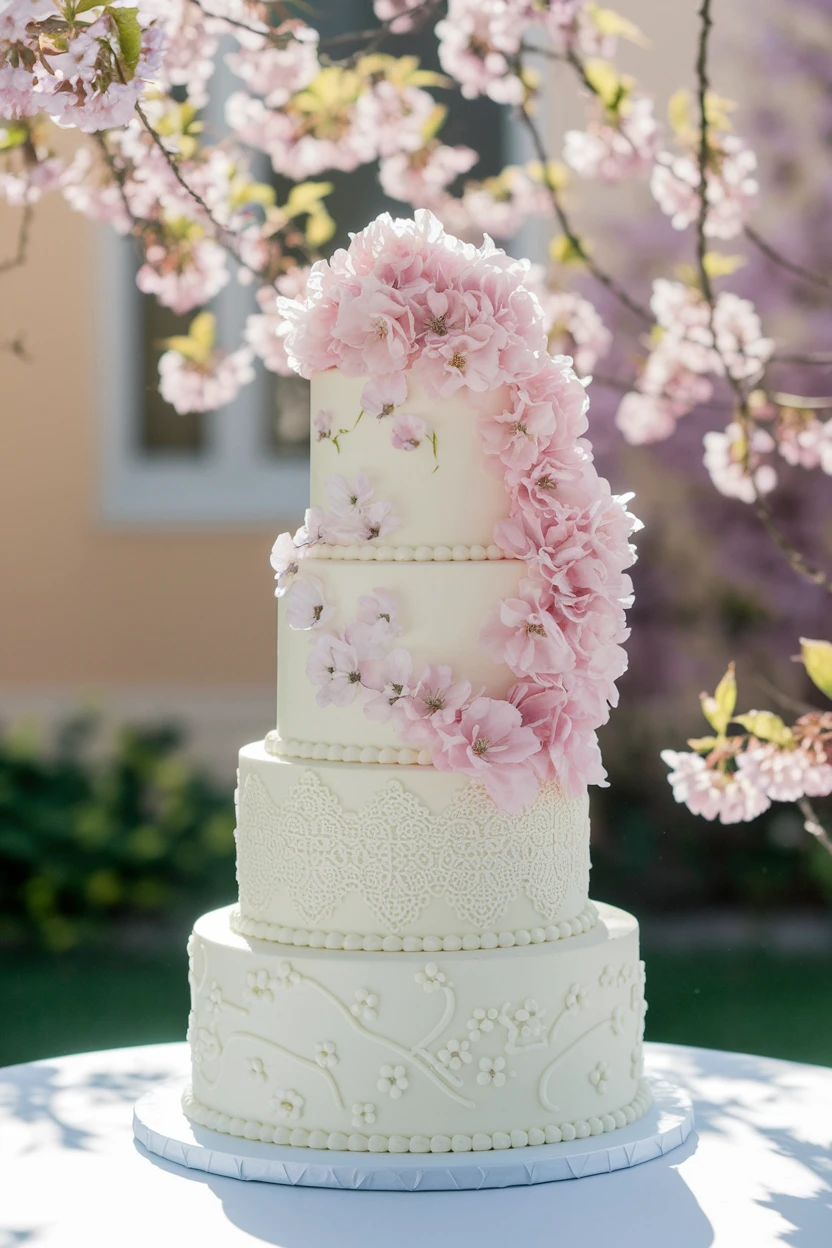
396,854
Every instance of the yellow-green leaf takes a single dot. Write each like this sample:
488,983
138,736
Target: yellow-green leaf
84,6
245,192
563,250
703,745
719,709
556,173
766,726
319,227
305,197
604,80
719,265
717,108
434,122
198,343
679,109
12,134
608,22
817,659
126,22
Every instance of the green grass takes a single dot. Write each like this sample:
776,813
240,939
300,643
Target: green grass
98,999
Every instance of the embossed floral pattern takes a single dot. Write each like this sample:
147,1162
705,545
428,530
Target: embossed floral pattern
481,1022
432,978
618,1020
599,1077
213,1002
259,986
363,1114
326,1054
285,975
256,1069
528,1019
205,1046
607,978
492,1071
455,1054
287,1104
393,1080
365,1005
576,998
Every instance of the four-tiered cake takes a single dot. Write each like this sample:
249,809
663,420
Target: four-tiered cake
414,963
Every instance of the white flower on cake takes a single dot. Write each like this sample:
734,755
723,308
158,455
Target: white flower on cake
432,978
607,977
285,975
637,1061
492,1071
256,1069
455,1054
306,605
259,986
576,998
206,1046
365,1005
393,1080
326,1054
625,974
599,1077
363,1114
215,999
528,1019
287,1104
618,1020
482,1021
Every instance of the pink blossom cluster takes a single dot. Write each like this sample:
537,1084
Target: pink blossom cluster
192,386
615,147
573,325
406,295
730,187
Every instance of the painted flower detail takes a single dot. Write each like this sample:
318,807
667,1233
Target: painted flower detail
393,1081
637,1061
363,1114
256,1069
455,1054
382,396
355,515
326,1054
336,667
375,624
287,1104
390,679
322,424
576,998
528,1019
481,1022
432,978
365,1005
618,1020
492,1071
306,605
599,1077
409,432
259,987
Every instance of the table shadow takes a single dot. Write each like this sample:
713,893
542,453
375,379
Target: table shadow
542,1215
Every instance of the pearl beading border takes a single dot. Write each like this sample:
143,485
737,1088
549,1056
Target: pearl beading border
321,752
406,554
354,942
480,1142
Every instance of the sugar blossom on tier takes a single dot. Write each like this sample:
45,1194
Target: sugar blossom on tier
405,295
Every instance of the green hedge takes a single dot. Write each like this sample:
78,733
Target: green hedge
89,836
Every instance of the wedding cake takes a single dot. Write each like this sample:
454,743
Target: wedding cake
414,963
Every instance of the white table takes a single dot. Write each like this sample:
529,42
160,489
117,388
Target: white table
759,1174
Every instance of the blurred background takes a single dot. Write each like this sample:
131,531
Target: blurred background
137,623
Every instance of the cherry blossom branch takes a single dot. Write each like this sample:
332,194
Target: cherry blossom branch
790,265
600,275
418,16
703,87
19,257
812,824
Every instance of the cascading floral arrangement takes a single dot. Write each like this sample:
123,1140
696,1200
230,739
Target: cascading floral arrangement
406,295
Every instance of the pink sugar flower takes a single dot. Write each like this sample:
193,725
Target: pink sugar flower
390,679
322,424
285,559
376,326
348,498
435,698
469,358
521,633
409,432
568,746
306,605
380,397
490,743
336,667
518,436
375,624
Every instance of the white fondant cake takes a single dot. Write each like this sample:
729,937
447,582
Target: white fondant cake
414,962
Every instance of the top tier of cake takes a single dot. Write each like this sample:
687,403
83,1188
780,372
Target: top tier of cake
442,492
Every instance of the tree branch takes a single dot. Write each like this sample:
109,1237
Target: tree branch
813,825
790,266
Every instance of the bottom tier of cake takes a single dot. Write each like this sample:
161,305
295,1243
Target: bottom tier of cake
395,1052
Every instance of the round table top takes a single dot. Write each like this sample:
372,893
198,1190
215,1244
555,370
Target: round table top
756,1172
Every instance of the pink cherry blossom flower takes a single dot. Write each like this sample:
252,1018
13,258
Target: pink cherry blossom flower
569,750
306,605
312,530
523,634
712,793
490,743
573,326
285,559
274,72
435,698
188,284
322,424
390,679
645,418
477,41
373,330
736,468
730,188
615,151
377,520
349,498
192,387
409,432
786,775
381,397
420,177
18,96
397,13
334,665
375,626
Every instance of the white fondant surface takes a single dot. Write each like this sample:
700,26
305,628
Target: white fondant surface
459,501
161,1126
354,848
441,609
334,1049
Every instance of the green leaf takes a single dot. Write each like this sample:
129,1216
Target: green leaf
563,251
679,108
604,80
12,134
817,659
703,745
198,343
719,265
766,726
719,709
305,197
126,22
608,22
319,227
84,6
